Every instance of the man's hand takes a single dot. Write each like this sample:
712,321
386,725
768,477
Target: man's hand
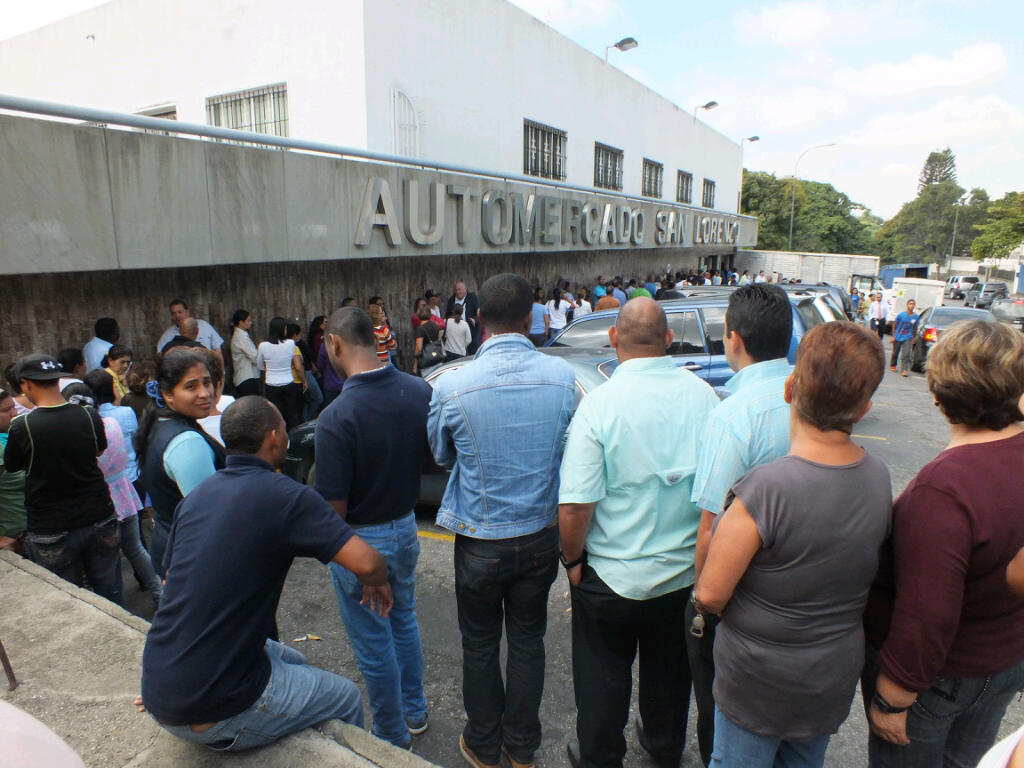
575,575
892,728
380,599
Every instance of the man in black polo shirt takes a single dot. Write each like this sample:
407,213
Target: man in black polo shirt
210,672
370,445
72,525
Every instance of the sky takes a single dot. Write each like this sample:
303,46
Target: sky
886,81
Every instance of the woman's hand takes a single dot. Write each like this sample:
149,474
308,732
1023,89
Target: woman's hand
892,728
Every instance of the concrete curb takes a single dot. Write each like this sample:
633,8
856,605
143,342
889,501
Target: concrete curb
77,658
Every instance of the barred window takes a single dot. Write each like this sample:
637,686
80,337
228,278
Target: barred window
259,110
543,151
406,137
684,187
709,194
607,167
653,173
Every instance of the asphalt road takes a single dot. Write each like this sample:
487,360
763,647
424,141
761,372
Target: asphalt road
903,428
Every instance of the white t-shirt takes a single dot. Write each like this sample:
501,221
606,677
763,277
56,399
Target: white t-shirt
583,308
558,313
276,360
457,337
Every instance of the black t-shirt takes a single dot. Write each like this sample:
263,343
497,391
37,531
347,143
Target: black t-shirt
428,331
230,547
64,486
370,445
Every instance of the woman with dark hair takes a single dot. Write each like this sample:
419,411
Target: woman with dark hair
245,373
945,629
116,363
120,471
791,562
174,452
317,328
276,358
420,301
312,397
427,332
139,375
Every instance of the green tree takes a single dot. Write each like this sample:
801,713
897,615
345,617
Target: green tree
922,231
939,167
1002,230
825,220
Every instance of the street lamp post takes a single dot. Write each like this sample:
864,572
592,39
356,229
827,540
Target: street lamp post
952,244
792,200
625,44
739,196
708,106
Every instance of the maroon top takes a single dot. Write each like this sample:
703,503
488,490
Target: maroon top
955,529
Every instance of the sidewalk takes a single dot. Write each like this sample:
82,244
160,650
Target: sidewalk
77,659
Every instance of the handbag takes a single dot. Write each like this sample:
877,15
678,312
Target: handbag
432,353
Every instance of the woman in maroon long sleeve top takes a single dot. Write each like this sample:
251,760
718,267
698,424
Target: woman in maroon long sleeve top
946,630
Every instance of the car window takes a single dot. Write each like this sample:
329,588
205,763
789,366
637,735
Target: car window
953,314
829,309
809,314
968,279
687,337
714,325
590,332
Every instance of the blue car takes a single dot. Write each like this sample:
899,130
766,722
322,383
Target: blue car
698,325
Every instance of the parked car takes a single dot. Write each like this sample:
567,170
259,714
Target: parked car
933,322
981,295
839,296
1009,311
958,285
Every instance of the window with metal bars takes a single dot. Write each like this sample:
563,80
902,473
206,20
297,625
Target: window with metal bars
259,110
708,200
684,187
543,151
607,166
653,173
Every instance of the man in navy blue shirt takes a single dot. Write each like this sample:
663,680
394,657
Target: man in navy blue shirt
211,673
370,446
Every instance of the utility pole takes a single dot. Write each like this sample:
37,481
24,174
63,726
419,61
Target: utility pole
952,245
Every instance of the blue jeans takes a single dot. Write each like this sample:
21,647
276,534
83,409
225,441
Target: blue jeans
388,651
94,549
131,545
296,697
737,747
952,724
311,398
504,581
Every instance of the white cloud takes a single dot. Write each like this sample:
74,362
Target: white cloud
568,16
980,63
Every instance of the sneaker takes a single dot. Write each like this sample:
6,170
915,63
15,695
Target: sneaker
516,763
416,727
892,368
470,756
904,374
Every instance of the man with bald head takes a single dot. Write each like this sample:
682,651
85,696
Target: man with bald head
628,530
470,309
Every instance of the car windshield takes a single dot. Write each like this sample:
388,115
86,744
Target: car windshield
950,315
592,333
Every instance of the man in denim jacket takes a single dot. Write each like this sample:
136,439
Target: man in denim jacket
498,424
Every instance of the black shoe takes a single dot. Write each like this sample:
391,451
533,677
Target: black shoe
572,751
659,760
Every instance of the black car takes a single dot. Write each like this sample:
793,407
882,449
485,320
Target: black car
1009,311
933,322
981,295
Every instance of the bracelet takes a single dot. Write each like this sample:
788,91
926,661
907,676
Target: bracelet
885,707
581,560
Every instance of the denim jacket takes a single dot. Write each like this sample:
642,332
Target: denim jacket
499,424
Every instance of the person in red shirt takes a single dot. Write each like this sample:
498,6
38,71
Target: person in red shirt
945,629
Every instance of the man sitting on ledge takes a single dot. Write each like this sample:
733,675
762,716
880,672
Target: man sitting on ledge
212,670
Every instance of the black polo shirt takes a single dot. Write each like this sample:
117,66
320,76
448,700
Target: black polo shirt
230,547
370,445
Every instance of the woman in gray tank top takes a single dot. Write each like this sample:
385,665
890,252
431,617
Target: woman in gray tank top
791,562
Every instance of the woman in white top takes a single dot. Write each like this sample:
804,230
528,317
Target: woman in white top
245,373
457,336
557,307
582,305
276,357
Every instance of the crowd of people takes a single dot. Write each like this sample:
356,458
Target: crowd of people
747,548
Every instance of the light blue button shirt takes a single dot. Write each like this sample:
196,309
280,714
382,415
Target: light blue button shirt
749,428
638,466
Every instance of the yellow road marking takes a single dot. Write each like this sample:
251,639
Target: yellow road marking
438,536
870,437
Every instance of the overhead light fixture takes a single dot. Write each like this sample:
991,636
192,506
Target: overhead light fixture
625,44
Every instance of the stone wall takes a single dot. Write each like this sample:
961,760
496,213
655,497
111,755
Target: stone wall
47,312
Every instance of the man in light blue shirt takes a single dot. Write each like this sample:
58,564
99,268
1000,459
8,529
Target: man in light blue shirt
106,333
628,531
749,428
498,423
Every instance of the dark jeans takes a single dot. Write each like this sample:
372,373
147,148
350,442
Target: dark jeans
94,549
606,631
538,339
701,653
952,724
504,581
247,387
288,400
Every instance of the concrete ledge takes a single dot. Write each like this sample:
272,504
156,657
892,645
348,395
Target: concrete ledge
77,658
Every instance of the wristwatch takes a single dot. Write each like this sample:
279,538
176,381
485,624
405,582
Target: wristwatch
581,560
885,707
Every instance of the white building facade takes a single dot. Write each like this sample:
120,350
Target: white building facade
477,83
